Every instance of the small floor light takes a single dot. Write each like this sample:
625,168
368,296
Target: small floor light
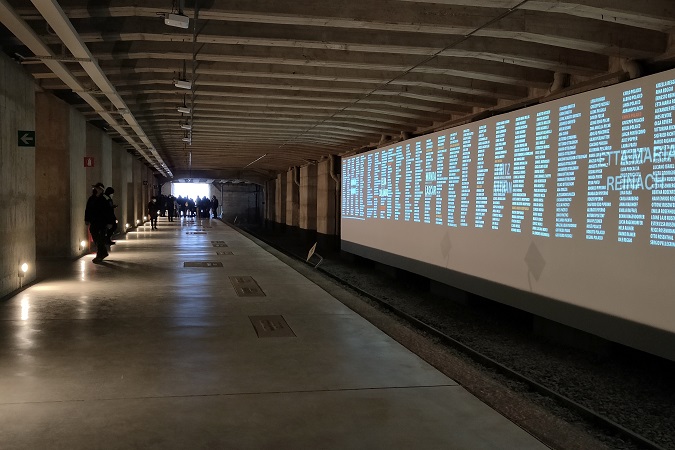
83,245
145,217
22,273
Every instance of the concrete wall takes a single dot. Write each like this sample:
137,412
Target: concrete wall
243,201
307,212
17,175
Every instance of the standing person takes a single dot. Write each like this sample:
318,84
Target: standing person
153,211
99,216
170,206
162,204
206,208
108,195
214,207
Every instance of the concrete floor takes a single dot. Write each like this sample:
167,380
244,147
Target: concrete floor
141,352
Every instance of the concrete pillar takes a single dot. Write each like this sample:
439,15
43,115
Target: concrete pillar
328,200
61,181
135,188
308,197
17,176
270,201
292,198
99,149
149,189
280,199
127,162
120,171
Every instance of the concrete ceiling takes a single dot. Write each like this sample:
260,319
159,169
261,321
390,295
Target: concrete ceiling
281,83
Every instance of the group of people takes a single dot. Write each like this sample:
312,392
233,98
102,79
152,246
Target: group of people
186,207
99,214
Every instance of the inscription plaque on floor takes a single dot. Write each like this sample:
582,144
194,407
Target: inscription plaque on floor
246,286
202,264
195,232
226,252
219,245
217,242
271,326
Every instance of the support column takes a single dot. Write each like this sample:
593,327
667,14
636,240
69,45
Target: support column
136,188
280,199
270,202
99,149
308,197
328,200
292,198
61,180
120,172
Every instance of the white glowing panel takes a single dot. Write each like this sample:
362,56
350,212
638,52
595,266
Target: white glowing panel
573,200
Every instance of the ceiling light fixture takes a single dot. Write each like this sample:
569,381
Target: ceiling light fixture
184,110
177,20
186,126
183,84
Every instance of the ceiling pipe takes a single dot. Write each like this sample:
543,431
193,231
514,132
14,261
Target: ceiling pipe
632,68
295,173
331,170
59,22
560,81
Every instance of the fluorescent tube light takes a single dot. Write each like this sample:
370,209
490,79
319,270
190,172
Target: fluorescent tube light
186,126
184,110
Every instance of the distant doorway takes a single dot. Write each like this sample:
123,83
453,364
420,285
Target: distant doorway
190,190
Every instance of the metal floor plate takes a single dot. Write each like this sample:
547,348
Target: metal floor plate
226,252
202,264
271,326
246,286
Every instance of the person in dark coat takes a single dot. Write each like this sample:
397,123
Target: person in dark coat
99,216
153,212
171,207
214,206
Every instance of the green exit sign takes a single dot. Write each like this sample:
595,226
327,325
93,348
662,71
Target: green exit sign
26,138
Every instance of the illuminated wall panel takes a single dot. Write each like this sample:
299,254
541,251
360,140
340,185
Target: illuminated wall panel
572,200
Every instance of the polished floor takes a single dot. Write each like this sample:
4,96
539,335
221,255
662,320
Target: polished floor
143,352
